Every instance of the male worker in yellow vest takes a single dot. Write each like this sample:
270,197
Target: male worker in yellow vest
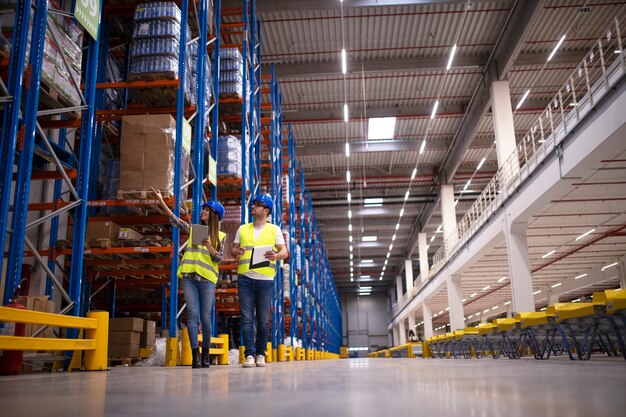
256,280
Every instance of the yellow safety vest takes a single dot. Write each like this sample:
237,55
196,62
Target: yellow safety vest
197,258
246,241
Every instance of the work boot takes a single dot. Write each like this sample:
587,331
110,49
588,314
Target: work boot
206,361
195,358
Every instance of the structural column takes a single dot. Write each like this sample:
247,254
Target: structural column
411,323
428,320
399,288
402,332
456,313
519,268
423,254
408,274
504,128
448,212
396,337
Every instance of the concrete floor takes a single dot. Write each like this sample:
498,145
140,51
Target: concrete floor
348,387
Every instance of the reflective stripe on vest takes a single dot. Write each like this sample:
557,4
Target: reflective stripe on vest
197,259
246,241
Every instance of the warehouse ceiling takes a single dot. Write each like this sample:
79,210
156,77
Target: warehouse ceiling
397,56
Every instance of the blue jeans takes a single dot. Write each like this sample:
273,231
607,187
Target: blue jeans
199,296
255,293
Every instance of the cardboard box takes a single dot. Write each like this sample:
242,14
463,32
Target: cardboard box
123,351
126,233
37,303
124,337
102,230
149,326
147,340
132,324
131,180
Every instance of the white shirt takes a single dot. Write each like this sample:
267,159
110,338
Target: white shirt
278,240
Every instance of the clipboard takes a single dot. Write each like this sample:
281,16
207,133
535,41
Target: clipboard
257,258
199,233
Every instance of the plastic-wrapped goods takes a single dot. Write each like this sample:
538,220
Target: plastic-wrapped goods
229,168
230,54
230,155
162,10
155,46
231,65
151,64
156,29
231,89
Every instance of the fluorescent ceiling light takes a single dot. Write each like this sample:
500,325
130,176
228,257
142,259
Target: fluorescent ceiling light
451,57
406,195
470,316
480,164
351,279
477,313
350,227
365,293
390,247
447,308
441,312
456,202
608,266
439,229
467,184
576,300
393,238
548,254
351,248
432,238
367,261
345,113
351,263
413,174
381,128
486,311
585,234
558,284
369,238
347,150
580,276
373,202
348,176
365,288
523,99
536,292
344,64
384,267
543,309
494,307
388,254
350,239
423,146
506,303
486,288
386,260
349,197
464,300
473,295
402,212
397,226
351,256
366,276
381,277
349,214
501,279
556,48
432,115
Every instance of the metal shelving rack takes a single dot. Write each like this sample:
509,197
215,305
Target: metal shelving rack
83,196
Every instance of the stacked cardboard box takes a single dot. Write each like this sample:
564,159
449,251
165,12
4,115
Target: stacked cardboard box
37,303
148,336
125,337
147,152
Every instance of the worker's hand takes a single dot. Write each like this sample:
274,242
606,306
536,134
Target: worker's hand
158,194
271,255
239,251
207,244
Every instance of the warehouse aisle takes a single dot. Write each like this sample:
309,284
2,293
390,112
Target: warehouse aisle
354,387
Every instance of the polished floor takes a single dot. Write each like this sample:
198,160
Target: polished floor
347,387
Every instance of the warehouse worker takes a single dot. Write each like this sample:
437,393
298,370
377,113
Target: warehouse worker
257,283
199,270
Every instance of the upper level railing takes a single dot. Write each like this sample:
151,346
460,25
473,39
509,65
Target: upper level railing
602,67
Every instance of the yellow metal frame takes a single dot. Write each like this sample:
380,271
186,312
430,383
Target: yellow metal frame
95,344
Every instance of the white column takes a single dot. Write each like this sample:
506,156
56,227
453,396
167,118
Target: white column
412,323
519,268
423,254
504,129
456,314
622,272
553,297
396,338
408,274
399,287
390,338
428,320
402,332
509,311
448,212
483,318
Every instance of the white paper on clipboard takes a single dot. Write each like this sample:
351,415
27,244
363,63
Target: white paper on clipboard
258,260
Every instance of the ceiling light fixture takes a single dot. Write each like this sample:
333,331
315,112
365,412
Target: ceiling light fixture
585,234
369,238
373,202
523,99
536,292
608,266
473,295
501,279
350,239
432,115
402,212
432,238
350,227
344,63
548,254
486,288
423,146
347,150
349,197
345,113
349,214
367,261
413,174
393,238
397,226
556,48
406,195
451,58
481,163
580,276
558,284
506,303
348,176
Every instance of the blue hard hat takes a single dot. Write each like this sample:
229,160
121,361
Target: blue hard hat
266,200
216,206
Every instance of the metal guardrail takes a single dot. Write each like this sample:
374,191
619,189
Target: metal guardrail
603,66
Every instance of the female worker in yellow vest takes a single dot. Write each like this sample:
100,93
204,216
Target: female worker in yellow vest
199,272
255,283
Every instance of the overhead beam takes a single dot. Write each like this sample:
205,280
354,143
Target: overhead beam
267,6
336,115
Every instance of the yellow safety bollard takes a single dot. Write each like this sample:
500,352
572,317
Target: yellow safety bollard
275,355
97,360
281,353
185,350
222,359
171,351
242,354
268,353
299,354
